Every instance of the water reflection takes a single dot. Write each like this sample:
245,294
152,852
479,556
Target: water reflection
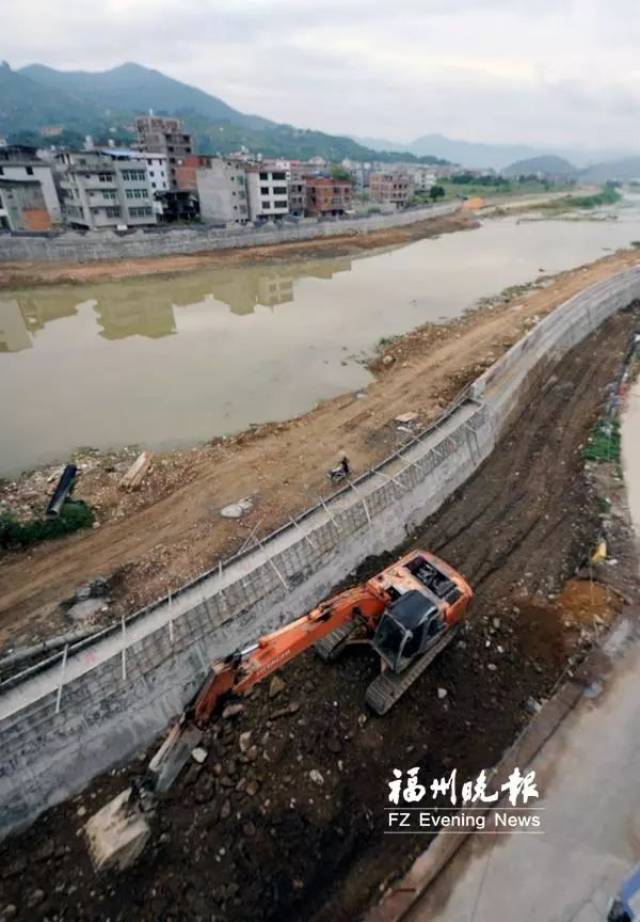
145,307
169,361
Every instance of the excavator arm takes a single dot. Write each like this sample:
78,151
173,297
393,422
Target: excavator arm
244,669
241,670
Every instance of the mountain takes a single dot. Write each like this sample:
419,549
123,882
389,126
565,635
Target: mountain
103,104
490,156
625,169
472,153
133,88
548,165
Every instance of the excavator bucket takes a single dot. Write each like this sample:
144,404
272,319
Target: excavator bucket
117,833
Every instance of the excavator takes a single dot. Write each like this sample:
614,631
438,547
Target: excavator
407,614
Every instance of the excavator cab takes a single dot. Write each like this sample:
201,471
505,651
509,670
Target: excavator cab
407,629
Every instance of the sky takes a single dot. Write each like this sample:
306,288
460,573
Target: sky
541,72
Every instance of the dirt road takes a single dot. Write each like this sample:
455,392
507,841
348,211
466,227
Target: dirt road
20,274
171,530
251,834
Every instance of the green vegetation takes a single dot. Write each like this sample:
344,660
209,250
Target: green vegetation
608,195
74,515
604,442
104,105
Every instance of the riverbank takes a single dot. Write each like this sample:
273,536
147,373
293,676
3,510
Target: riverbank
29,273
149,542
273,841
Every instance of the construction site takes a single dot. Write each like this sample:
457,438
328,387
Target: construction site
217,737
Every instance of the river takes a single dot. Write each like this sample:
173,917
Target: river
167,362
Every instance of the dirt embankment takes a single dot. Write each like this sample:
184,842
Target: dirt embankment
171,530
253,833
14,274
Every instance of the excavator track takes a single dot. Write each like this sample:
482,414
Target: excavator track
389,687
331,645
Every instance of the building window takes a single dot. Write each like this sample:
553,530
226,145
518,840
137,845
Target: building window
264,190
280,190
29,171
280,203
264,176
266,206
279,175
113,212
104,177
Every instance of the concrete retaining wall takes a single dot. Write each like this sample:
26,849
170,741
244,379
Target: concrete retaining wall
64,723
74,246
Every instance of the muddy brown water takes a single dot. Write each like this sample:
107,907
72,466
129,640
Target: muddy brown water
167,362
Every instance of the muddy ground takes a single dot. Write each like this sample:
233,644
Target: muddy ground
19,274
152,541
251,834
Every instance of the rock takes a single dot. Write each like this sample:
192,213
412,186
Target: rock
199,755
252,753
252,788
333,744
81,811
316,777
533,706
492,667
442,693
249,830
406,418
244,741
388,360
35,898
276,685
496,623
237,510
9,912
232,710
85,611
225,810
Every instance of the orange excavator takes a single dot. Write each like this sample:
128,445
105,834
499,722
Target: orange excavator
408,614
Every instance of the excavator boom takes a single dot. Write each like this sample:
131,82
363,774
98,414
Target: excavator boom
240,671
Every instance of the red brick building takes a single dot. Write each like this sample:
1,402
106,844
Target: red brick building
326,196
391,188
185,171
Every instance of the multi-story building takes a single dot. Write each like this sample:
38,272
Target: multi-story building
222,190
268,191
391,188
164,136
22,206
423,177
297,189
326,196
106,189
158,170
20,164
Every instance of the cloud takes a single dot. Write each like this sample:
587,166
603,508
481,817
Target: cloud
558,71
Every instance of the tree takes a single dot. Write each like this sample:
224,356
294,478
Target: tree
436,192
339,172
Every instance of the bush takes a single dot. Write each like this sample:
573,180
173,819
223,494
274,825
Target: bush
74,515
604,442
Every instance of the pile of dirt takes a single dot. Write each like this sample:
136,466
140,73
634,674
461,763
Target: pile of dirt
285,818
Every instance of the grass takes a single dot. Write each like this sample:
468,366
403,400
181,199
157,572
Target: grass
74,516
604,442
608,195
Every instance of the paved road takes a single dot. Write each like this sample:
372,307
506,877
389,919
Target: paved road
589,779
